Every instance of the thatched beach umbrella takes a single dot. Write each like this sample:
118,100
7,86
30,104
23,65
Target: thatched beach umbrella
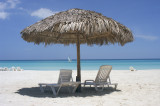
77,26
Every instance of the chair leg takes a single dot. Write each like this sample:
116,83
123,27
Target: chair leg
102,87
59,89
41,88
115,86
96,88
54,91
108,85
75,88
69,89
84,85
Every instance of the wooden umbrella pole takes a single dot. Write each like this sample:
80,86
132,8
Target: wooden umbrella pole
78,77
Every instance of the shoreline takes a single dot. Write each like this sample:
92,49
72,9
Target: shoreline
97,70
82,59
54,65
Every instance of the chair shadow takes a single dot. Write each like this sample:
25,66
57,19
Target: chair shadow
86,92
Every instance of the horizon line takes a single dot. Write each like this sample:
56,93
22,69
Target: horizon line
76,59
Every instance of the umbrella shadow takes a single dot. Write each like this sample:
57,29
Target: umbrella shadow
86,92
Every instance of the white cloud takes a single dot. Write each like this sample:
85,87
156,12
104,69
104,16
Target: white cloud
147,37
3,6
8,4
21,8
3,15
12,3
42,13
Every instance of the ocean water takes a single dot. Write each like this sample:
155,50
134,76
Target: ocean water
117,64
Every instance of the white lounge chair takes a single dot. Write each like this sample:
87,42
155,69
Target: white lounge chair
13,69
19,69
65,79
6,69
1,68
102,79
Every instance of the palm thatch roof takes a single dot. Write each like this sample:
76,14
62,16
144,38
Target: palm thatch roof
90,26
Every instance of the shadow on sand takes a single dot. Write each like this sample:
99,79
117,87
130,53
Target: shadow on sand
87,91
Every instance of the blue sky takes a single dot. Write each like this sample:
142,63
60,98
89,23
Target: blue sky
141,16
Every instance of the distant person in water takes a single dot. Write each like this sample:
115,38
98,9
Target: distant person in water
132,68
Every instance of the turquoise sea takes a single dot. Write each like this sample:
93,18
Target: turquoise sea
117,64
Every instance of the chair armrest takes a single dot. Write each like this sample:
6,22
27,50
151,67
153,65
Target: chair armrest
88,81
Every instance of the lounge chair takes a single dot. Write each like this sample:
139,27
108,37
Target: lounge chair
1,68
65,80
13,69
19,69
5,69
102,79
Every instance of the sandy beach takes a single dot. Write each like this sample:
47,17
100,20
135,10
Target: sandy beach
140,88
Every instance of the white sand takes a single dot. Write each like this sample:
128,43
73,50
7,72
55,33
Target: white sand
139,88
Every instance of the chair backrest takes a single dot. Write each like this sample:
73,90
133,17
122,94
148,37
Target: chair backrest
65,75
103,74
